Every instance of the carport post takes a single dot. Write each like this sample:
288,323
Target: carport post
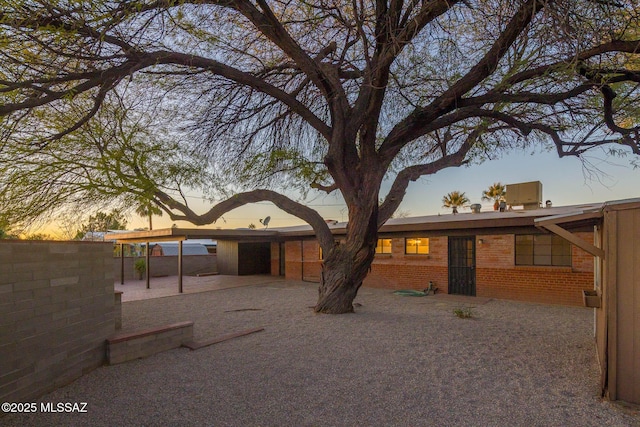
122,263
180,266
147,259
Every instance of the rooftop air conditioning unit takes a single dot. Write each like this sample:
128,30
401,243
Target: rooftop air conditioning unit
526,194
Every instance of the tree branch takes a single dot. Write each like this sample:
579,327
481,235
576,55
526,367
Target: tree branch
269,25
299,210
412,126
326,188
390,41
608,95
629,46
145,60
576,148
412,173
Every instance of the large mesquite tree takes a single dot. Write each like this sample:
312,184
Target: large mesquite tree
114,99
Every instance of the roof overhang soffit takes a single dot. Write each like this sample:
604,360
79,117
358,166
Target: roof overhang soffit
151,240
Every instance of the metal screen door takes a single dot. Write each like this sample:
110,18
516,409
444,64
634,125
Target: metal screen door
462,265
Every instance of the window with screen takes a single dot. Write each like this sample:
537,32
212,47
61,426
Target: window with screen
383,246
542,249
416,246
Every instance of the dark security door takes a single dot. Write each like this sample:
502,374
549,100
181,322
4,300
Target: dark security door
462,265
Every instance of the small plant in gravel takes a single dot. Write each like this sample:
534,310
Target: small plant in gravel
463,312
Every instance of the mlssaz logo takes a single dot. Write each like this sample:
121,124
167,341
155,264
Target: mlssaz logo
63,407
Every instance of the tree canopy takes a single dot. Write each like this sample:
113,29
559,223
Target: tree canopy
108,100
454,200
147,209
496,192
5,230
102,222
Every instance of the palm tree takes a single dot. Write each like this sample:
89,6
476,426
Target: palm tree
454,200
496,192
147,209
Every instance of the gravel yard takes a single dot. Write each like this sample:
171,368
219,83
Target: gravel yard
398,361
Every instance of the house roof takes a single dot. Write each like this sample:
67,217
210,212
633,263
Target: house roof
486,222
188,248
177,234
576,216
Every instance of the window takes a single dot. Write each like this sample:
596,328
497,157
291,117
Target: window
416,246
383,246
542,249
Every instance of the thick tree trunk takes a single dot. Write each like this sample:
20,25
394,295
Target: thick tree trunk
347,264
342,275
358,176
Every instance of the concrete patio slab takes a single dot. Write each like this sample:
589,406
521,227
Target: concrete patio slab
136,290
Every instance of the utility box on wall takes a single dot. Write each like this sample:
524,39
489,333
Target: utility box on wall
526,194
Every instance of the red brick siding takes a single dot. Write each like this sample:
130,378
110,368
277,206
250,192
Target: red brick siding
302,260
406,276
551,285
311,260
497,251
292,257
581,260
497,276
401,271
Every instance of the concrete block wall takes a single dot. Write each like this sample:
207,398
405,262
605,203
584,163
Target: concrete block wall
56,311
168,265
117,309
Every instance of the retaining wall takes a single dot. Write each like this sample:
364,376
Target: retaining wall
134,345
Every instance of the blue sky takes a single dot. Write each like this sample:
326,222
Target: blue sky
564,182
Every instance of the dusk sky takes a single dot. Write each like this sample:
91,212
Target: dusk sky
564,182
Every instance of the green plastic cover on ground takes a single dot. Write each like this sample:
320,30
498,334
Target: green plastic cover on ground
409,293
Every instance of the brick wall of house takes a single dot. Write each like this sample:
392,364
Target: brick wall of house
292,258
497,276
56,311
402,271
302,260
